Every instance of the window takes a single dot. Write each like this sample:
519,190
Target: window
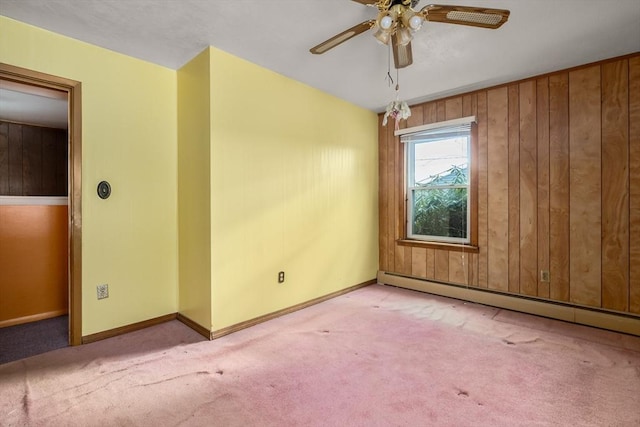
439,182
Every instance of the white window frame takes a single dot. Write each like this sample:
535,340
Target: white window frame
410,137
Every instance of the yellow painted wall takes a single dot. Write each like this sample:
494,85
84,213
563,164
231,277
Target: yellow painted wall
129,131
194,190
293,188
290,184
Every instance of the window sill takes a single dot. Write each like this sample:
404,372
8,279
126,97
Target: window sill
454,247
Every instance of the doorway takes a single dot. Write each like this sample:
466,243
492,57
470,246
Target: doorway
74,192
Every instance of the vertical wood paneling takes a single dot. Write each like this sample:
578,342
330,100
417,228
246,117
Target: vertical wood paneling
453,108
407,257
558,189
634,184
466,106
425,113
542,119
442,265
585,186
498,188
514,189
430,113
457,273
419,262
458,269
615,186
399,252
4,158
528,190
62,163
49,147
391,206
441,111
402,253
559,186
403,259
471,105
32,160
416,119
383,198
417,116
473,269
431,263
483,208
15,160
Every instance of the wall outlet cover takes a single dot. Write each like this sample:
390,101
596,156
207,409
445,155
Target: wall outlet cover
103,291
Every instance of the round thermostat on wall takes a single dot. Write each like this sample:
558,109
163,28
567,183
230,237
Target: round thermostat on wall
104,190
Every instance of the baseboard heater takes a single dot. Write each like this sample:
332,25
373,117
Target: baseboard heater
619,322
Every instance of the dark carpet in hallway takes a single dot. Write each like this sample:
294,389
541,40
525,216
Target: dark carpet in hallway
29,339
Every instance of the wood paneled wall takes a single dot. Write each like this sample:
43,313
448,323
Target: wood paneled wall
33,160
558,181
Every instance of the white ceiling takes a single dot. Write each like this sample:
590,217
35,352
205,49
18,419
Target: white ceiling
540,36
34,105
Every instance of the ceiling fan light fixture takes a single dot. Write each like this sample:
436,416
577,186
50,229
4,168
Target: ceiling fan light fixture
385,22
382,36
403,36
411,19
415,22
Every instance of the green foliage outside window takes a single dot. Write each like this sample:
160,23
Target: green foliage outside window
442,211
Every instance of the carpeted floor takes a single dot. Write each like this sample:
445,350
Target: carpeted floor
29,339
379,356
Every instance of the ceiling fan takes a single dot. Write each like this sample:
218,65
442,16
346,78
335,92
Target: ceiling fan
397,21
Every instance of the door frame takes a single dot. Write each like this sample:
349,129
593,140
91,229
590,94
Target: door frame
74,91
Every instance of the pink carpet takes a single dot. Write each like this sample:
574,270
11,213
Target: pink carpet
379,356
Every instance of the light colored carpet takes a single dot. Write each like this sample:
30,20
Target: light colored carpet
379,356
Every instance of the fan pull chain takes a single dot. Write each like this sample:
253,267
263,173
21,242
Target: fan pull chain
388,77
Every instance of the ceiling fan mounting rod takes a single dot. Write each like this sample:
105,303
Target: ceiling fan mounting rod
383,5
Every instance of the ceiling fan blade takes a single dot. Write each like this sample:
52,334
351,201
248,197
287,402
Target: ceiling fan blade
465,15
367,2
402,55
342,37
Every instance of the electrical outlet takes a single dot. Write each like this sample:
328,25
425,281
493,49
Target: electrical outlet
103,291
281,277
544,275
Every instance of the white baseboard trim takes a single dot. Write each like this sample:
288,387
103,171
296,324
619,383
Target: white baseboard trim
627,324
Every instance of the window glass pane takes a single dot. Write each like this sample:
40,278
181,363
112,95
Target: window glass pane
441,162
440,212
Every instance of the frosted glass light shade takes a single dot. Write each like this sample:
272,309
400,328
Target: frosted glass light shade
386,22
415,22
403,36
382,36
